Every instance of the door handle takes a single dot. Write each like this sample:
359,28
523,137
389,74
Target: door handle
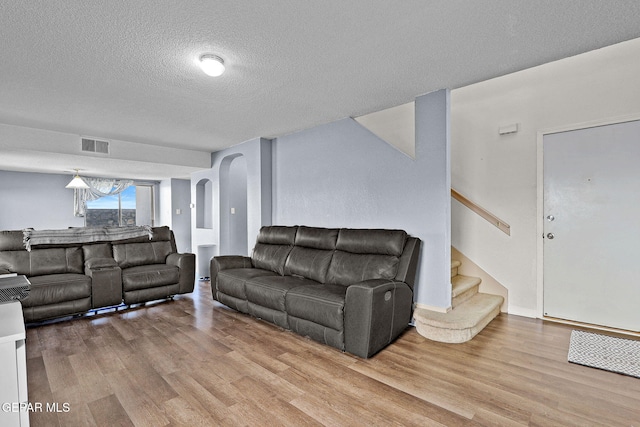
550,236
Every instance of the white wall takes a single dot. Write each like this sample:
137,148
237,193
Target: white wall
165,203
36,200
501,172
175,197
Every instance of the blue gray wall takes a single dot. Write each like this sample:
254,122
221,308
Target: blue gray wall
36,200
342,175
181,222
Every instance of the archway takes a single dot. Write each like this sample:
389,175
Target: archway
204,204
233,206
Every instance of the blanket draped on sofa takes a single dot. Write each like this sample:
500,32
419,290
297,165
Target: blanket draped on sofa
83,235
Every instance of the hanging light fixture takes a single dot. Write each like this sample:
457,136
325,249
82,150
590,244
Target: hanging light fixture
212,65
77,182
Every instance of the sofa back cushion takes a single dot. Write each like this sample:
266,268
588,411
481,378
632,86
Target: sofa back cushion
312,253
308,263
382,242
39,262
317,238
134,254
364,255
272,248
347,268
97,250
11,240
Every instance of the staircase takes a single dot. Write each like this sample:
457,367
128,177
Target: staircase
471,311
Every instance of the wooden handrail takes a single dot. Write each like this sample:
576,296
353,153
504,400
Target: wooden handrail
503,226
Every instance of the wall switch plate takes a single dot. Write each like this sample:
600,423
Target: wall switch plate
178,211
233,211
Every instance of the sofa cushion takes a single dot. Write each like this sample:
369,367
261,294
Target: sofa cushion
308,263
54,288
40,262
149,276
137,254
321,304
383,242
347,268
270,291
277,235
11,240
231,282
56,261
272,248
317,238
97,250
16,261
270,257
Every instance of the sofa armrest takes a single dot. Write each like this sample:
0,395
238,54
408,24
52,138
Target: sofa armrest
186,263
227,262
106,281
375,313
99,264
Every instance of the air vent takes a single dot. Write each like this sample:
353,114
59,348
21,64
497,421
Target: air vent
95,146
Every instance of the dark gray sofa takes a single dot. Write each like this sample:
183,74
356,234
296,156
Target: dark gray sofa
348,288
72,279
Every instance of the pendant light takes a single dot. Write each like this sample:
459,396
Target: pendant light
77,182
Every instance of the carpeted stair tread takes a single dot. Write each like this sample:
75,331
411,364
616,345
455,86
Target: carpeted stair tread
466,315
454,267
461,284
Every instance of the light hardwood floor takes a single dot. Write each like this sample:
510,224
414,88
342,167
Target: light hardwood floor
193,362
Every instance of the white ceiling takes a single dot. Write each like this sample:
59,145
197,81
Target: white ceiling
127,70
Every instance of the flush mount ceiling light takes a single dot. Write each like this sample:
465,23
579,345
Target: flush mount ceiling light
212,65
77,182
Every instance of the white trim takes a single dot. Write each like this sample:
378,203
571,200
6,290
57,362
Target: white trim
521,311
433,308
591,326
539,311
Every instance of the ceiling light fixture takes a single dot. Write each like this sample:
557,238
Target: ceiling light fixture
77,182
212,65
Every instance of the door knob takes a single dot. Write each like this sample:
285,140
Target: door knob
550,236
550,218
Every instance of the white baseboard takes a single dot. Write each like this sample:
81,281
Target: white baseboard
524,312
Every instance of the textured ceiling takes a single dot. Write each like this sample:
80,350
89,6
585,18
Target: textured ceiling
127,70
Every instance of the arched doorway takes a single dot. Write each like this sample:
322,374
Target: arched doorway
204,204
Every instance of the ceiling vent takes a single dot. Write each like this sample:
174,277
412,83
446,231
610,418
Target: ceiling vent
90,145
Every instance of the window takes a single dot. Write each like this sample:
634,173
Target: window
133,206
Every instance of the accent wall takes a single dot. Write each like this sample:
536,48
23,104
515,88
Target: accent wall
342,175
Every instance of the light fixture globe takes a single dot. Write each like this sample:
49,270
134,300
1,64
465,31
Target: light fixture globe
212,65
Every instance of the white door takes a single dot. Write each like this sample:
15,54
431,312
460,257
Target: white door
592,225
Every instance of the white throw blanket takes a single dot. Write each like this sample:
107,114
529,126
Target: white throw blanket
83,235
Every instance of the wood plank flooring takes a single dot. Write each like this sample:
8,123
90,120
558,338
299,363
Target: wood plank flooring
193,362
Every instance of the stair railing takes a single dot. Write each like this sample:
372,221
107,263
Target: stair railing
491,218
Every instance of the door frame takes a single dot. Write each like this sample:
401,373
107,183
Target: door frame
540,197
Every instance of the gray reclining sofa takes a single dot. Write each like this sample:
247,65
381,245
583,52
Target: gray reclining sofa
70,279
348,288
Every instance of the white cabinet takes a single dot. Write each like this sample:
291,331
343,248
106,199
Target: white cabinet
13,367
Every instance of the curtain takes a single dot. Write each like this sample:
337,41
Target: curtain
98,187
